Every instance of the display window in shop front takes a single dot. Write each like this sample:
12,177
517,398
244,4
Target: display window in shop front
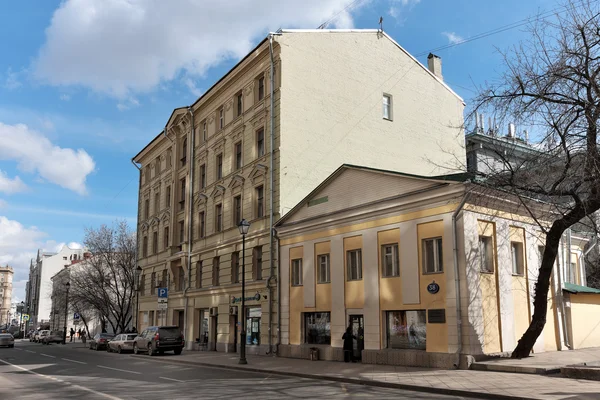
407,329
253,315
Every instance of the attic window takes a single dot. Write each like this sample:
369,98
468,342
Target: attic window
320,200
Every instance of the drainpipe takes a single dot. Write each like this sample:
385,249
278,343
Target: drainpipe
192,151
568,266
457,278
137,235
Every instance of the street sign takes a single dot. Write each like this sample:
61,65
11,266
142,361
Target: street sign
162,306
75,322
25,317
163,293
76,317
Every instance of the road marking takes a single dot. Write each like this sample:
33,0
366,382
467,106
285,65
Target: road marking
78,362
16,348
171,379
47,355
29,351
85,389
117,369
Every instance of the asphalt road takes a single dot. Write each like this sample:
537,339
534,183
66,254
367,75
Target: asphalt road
33,371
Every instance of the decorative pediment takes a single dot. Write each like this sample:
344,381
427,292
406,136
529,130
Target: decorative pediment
166,217
259,118
146,193
156,186
236,181
258,172
144,226
211,118
217,147
218,191
200,199
238,133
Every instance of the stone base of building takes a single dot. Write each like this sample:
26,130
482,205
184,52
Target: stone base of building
406,358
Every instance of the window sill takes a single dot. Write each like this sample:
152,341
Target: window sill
324,283
388,119
390,276
297,285
433,273
521,275
487,272
353,280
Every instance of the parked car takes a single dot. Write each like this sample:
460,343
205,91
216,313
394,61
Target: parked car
32,336
121,343
6,339
53,337
41,335
100,341
158,339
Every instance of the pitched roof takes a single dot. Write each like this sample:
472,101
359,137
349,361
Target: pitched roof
572,288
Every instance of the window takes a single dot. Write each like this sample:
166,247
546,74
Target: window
237,209
221,118
154,242
486,254
516,250
261,88
202,176
156,202
146,208
235,267
323,275
199,274
157,166
253,316
165,278
169,158
260,206
317,328
238,155
166,237
354,265
219,166
297,272
148,171
215,277
168,197
180,279
387,107
142,285
257,263
239,104
181,231
153,283
432,256
260,142
390,265
201,224
218,218
406,329
183,152
182,194
204,131
145,247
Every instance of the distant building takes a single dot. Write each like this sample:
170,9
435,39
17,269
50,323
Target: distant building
6,284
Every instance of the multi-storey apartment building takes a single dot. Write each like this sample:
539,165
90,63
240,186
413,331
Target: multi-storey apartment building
299,105
6,283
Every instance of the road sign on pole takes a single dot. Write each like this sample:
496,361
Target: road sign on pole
76,316
162,306
25,317
163,293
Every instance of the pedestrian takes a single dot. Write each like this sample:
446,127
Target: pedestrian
360,342
79,333
133,330
71,334
348,338
83,336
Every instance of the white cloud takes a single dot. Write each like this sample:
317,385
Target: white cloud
65,167
12,80
398,6
65,97
453,38
9,186
127,104
121,47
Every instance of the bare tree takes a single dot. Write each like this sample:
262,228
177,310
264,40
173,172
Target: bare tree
552,84
105,281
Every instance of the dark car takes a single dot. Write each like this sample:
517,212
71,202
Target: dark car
158,339
100,341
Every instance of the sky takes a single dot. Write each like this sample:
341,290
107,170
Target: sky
86,84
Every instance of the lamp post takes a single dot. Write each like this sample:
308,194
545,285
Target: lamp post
243,227
68,286
21,319
138,272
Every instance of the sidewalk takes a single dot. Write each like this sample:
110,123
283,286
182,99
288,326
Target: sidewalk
482,384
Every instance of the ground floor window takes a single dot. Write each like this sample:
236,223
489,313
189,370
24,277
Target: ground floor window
203,326
317,328
253,325
406,329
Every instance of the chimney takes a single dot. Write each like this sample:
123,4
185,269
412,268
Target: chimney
434,63
511,130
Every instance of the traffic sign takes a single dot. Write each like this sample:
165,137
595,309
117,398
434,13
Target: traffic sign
162,306
25,317
163,293
76,316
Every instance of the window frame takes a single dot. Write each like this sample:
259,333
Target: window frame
354,255
219,166
181,231
219,217
239,155
146,208
239,103
155,242
395,255
204,131
182,189
438,261
296,277
168,196
387,106
325,257
199,274
260,142
221,114
202,174
259,192
145,247
166,237
520,261
486,261
216,271
260,90
235,267
156,202
257,263
237,209
314,316
183,158
202,224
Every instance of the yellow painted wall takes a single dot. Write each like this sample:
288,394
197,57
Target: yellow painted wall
520,287
354,293
296,300
551,338
390,289
322,290
437,334
488,283
585,320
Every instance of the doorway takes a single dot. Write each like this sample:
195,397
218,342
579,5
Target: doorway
358,330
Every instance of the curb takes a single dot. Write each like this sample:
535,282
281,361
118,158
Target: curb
514,369
415,388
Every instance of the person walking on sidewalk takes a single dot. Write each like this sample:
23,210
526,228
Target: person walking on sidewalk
82,336
71,334
348,338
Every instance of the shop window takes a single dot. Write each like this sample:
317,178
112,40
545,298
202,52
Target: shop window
516,249
406,329
432,256
354,265
317,328
253,316
486,254
389,260
323,274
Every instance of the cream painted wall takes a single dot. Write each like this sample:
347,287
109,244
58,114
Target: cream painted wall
585,320
331,94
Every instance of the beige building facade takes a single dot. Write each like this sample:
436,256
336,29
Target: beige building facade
404,258
268,132
6,287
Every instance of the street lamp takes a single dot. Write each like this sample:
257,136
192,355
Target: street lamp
21,319
138,272
68,286
243,227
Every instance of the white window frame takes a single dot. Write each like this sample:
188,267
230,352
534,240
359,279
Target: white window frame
221,118
486,254
354,265
323,268
387,107
393,270
516,258
296,272
438,259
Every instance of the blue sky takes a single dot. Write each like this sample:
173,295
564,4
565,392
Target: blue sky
85,84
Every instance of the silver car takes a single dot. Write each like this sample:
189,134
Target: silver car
6,339
121,343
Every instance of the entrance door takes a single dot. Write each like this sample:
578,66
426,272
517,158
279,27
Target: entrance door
358,330
235,333
180,317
